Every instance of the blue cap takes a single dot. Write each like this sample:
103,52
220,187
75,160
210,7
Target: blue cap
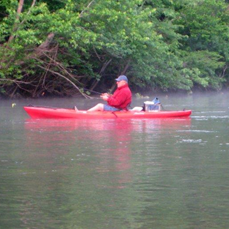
122,77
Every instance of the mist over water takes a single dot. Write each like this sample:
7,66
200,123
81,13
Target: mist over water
161,173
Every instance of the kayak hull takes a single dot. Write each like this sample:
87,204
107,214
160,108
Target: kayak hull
62,113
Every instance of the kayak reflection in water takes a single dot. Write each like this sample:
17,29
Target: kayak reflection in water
120,100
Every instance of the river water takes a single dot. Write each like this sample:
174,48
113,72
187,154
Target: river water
116,174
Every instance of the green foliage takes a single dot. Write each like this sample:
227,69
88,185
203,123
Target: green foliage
207,63
205,29
167,45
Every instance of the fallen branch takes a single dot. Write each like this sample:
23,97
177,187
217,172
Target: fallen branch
68,80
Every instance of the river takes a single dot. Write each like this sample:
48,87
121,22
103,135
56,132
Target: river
116,174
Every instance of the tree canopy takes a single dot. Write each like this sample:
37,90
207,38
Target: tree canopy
61,47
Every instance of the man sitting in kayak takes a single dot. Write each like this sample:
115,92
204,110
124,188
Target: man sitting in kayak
119,100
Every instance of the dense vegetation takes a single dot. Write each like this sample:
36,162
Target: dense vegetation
59,47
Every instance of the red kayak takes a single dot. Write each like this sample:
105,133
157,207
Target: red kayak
62,113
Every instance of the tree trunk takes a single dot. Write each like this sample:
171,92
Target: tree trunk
101,71
19,10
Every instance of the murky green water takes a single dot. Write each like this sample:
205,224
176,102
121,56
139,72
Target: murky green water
171,173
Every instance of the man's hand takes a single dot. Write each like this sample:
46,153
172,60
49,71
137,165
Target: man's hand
105,96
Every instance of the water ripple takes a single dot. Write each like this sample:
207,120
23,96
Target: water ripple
197,131
192,140
210,117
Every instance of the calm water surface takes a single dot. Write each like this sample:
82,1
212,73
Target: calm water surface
114,174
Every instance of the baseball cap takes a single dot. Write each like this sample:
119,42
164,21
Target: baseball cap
122,77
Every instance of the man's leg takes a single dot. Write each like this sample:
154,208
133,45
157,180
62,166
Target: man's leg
98,107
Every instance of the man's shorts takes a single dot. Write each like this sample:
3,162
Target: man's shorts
110,108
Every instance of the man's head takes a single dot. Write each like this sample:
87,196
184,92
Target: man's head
121,80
